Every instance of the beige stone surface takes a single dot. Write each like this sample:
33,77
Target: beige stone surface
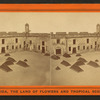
67,76
36,74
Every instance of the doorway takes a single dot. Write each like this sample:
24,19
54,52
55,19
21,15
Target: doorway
58,51
74,50
43,49
3,50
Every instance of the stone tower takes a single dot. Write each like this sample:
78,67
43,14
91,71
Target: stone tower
27,29
98,28
26,44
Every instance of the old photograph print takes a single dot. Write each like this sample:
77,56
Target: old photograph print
24,48
46,48
75,52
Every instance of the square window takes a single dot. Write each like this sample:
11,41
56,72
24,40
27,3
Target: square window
16,40
12,47
24,42
20,46
3,41
78,47
42,42
30,41
91,46
38,47
87,40
95,43
83,47
7,47
58,41
16,47
69,48
88,47
74,41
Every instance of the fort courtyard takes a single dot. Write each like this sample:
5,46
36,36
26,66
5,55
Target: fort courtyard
36,74
64,75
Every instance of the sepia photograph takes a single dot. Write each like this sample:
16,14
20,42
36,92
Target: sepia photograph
24,50
75,49
49,48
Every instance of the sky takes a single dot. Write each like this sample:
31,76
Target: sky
49,22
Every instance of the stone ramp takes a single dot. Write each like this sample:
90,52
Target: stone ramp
7,54
25,60
77,55
96,60
65,63
11,59
76,68
55,57
66,55
5,68
58,68
79,63
46,54
8,63
22,63
93,64
82,59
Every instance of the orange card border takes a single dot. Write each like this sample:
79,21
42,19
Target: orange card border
49,8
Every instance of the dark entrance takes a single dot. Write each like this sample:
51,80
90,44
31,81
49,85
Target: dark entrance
74,50
3,50
43,49
24,45
58,51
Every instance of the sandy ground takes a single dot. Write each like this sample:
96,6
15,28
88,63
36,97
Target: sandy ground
67,76
37,74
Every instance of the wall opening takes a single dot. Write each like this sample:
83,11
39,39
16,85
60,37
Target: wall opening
13,47
43,49
38,47
74,50
58,51
3,50
43,43
3,41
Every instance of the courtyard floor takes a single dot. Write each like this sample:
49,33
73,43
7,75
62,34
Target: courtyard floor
67,76
41,67
37,74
